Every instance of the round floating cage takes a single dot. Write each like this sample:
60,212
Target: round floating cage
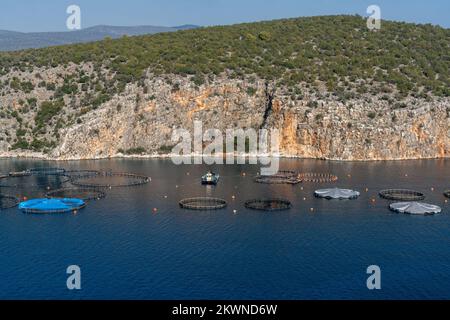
268,204
51,206
110,180
402,195
336,193
27,181
415,208
203,204
447,193
75,174
317,177
86,194
46,171
282,177
8,202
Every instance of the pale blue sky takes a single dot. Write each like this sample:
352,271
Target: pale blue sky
50,15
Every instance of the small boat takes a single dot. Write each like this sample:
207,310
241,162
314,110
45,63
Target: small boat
210,178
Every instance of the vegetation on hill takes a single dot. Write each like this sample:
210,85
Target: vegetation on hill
338,51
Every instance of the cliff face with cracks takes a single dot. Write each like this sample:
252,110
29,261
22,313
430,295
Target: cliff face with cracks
316,126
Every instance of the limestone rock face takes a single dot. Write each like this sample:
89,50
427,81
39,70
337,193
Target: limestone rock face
314,126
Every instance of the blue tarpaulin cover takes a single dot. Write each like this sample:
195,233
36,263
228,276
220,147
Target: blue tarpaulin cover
49,205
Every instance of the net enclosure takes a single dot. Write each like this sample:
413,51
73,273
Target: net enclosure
273,204
27,181
317,177
336,193
49,206
402,195
46,171
203,203
282,177
8,202
415,208
110,180
86,194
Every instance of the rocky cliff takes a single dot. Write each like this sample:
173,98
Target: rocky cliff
312,124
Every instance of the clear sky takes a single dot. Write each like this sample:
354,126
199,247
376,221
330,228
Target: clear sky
50,15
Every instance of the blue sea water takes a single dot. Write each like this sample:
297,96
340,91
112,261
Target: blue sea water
127,251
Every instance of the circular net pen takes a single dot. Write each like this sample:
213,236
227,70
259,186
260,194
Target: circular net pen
203,204
51,206
8,202
46,171
447,193
402,195
76,174
282,177
86,194
317,177
41,181
268,204
110,180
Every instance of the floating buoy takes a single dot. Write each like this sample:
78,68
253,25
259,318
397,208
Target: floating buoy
244,174
367,189
432,189
176,186
155,210
304,199
234,211
312,209
48,188
233,197
373,200
25,198
165,197
188,173
301,188
406,174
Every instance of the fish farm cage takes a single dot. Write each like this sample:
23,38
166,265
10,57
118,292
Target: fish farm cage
46,171
51,206
75,174
268,204
8,202
130,180
282,177
402,195
415,208
203,204
23,180
317,177
85,194
447,193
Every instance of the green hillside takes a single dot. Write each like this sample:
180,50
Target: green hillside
336,51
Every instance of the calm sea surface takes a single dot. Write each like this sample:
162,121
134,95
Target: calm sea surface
126,251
